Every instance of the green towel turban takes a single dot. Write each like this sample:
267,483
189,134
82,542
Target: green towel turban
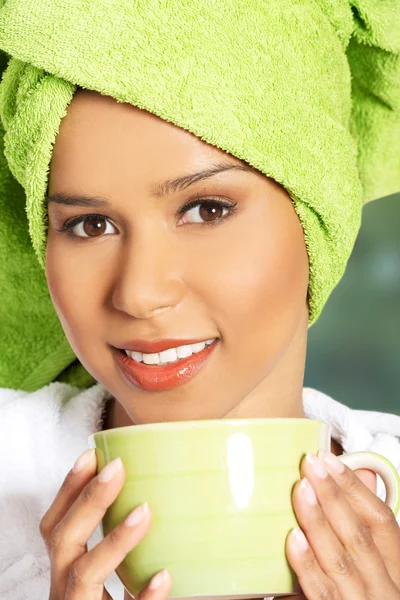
305,91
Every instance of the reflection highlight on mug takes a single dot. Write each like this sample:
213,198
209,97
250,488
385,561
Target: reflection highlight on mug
240,468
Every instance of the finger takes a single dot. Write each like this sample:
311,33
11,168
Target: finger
69,538
158,588
314,583
81,473
333,558
368,478
360,560
87,575
374,512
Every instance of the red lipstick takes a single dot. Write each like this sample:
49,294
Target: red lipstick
157,378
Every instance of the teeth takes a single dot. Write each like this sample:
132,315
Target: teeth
168,356
184,351
151,359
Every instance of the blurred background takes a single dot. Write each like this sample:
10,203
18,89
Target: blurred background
354,348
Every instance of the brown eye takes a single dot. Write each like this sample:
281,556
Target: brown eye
88,226
210,212
94,226
206,211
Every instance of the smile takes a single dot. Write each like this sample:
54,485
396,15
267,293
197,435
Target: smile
158,376
169,356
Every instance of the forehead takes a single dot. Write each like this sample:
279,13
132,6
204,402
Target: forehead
103,141
94,121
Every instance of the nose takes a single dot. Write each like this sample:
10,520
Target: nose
148,276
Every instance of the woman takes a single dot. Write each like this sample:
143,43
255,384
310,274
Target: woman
199,241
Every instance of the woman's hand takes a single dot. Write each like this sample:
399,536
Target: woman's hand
351,546
78,508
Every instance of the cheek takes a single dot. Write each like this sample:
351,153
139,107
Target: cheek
262,283
73,292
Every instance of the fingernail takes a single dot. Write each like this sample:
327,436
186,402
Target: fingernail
317,466
83,460
137,515
159,579
332,462
110,470
307,491
299,540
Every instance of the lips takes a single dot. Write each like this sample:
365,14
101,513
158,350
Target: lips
156,378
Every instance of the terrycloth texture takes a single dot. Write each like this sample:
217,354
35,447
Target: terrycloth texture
41,435
26,310
53,425
306,92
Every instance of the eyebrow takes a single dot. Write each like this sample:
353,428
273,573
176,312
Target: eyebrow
159,191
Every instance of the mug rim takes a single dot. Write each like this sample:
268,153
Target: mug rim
204,424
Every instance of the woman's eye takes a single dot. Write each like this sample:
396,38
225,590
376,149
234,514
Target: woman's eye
206,211
88,226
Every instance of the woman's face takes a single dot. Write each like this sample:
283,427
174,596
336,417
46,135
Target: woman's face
147,268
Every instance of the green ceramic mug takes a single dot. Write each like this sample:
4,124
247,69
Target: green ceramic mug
220,495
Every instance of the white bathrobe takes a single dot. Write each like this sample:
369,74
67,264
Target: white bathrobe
41,435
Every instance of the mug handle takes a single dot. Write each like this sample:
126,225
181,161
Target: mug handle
383,467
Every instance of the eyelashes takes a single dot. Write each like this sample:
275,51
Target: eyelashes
209,203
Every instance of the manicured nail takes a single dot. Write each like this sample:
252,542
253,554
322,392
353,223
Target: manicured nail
137,515
159,579
317,466
332,462
83,460
110,470
307,491
299,540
